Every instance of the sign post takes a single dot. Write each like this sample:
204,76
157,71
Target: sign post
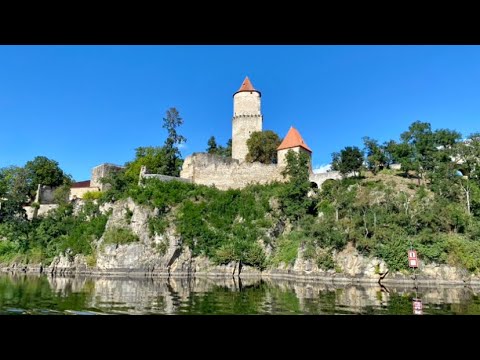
412,259
417,307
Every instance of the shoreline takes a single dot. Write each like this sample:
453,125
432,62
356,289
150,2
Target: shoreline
339,279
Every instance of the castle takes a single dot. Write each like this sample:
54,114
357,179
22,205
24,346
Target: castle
235,172
221,172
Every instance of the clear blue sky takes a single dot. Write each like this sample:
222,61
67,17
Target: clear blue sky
85,105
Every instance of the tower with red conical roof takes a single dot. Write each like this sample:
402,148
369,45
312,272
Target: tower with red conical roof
292,141
247,118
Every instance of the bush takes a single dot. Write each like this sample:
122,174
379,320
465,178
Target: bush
325,261
119,236
92,195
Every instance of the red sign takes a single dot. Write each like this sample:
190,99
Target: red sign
417,307
412,259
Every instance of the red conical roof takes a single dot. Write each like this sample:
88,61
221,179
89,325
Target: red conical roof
293,139
247,86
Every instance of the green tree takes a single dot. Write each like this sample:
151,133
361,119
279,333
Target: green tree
349,160
375,155
173,161
212,146
262,147
295,201
225,151
164,159
44,171
152,157
14,192
466,156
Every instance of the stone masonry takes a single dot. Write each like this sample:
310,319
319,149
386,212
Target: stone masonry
247,118
235,173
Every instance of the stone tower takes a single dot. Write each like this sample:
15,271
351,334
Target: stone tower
247,118
293,141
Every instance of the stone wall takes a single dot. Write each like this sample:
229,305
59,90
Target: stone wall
43,210
320,178
145,175
79,192
101,171
226,173
45,194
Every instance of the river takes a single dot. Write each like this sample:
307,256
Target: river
42,294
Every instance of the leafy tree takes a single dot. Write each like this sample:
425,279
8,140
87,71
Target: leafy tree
44,171
375,153
212,146
164,159
262,147
349,160
153,157
467,158
14,192
173,161
61,194
447,138
295,200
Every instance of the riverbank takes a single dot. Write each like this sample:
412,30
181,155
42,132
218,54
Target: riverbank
249,273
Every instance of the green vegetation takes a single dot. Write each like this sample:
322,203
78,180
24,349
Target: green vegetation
432,203
92,195
262,147
213,148
347,161
164,159
119,236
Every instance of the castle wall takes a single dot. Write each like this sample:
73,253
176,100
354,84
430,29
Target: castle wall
45,194
226,173
320,178
101,171
79,192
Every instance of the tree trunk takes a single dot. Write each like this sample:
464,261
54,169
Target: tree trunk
336,214
365,224
467,193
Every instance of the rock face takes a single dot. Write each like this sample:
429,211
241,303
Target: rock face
165,255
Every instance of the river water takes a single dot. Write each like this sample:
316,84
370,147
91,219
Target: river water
28,294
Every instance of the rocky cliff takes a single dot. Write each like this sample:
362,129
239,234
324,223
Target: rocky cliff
165,255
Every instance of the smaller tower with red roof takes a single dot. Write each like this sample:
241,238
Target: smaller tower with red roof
293,141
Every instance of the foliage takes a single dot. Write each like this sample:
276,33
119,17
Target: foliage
119,236
212,145
61,194
325,261
214,148
262,147
45,171
294,199
92,195
152,157
375,155
173,162
349,160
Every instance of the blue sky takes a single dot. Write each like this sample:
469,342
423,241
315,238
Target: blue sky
85,105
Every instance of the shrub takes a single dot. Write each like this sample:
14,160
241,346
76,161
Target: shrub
92,195
119,236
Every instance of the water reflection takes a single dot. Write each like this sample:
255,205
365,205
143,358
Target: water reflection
24,294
